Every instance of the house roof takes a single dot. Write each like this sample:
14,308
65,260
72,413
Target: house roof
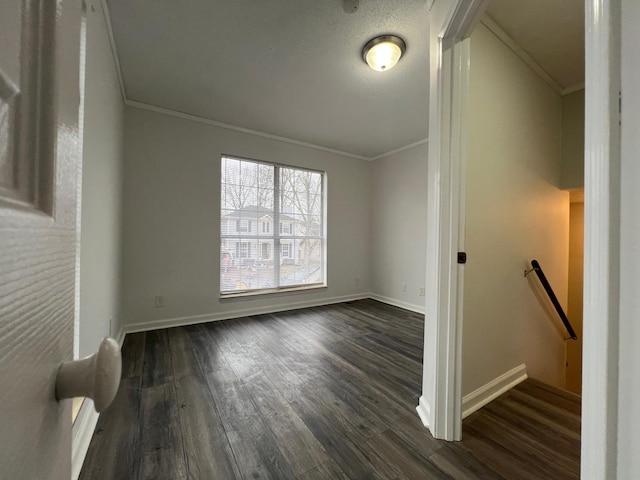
256,211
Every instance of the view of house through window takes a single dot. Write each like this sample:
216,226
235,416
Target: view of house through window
271,226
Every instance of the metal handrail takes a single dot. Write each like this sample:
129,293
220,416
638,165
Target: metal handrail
552,296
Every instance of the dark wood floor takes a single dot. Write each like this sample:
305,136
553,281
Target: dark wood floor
320,393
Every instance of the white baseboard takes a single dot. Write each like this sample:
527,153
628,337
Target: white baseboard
398,303
424,412
120,336
492,390
82,432
213,317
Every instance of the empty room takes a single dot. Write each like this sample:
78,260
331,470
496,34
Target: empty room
308,240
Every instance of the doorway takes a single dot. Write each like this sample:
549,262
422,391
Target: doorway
451,22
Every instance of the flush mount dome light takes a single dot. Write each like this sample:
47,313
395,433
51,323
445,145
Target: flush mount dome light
382,53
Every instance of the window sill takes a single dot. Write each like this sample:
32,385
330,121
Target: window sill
272,291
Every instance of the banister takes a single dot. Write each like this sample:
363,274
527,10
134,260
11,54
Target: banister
552,296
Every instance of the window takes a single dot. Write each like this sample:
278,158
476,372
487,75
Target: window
290,255
242,250
243,225
286,228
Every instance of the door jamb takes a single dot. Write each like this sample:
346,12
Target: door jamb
451,22
602,240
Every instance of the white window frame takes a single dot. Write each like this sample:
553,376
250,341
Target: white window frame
277,235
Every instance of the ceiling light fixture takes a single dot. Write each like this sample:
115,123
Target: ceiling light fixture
382,53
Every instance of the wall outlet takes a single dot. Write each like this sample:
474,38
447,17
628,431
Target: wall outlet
159,301
404,286
356,281
421,291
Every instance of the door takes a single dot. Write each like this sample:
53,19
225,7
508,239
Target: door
40,152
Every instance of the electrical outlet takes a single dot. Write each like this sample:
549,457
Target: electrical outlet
421,291
159,301
404,286
356,281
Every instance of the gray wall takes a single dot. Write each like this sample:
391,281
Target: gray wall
399,227
171,219
573,140
101,188
515,212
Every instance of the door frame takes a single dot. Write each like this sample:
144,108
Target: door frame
451,22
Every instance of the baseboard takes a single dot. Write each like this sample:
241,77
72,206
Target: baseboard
82,432
120,336
398,303
492,390
424,412
213,317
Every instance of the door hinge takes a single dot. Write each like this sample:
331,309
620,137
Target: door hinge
462,257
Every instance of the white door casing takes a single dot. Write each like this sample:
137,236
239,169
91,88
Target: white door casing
601,240
628,442
452,20
40,153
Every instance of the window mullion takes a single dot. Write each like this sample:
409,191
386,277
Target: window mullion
276,225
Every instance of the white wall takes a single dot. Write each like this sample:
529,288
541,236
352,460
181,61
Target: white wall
171,221
573,140
515,213
399,227
101,188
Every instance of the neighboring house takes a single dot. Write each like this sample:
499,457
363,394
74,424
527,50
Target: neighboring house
253,230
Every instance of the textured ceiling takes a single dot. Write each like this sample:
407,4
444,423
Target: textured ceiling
550,31
291,68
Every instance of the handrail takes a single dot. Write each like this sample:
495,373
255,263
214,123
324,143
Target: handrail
552,296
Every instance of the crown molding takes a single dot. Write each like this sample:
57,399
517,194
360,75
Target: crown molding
226,126
215,123
401,149
114,51
575,88
511,44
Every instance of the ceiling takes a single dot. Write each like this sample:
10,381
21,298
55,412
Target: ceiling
550,31
293,68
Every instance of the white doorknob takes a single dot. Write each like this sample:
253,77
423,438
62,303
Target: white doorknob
96,376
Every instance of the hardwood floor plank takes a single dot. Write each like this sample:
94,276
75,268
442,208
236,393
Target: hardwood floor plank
400,455
206,448
326,471
157,359
298,445
537,457
342,450
114,451
161,435
321,393
520,417
254,446
461,464
133,355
